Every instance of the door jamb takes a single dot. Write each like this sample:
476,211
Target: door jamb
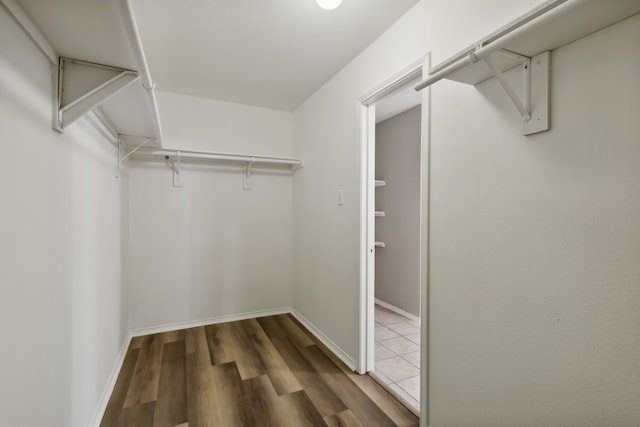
367,220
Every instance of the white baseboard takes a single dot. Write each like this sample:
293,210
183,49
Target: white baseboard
209,321
111,383
395,309
346,359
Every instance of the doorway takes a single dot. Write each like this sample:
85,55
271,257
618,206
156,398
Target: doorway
396,313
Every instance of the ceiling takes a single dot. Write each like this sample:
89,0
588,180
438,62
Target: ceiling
398,101
268,53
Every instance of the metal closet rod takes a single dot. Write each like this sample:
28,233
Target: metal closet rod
131,28
487,46
210,155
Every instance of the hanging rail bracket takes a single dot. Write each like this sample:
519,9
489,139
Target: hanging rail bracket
177,170
247,183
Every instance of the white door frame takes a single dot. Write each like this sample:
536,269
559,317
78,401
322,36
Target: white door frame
367,222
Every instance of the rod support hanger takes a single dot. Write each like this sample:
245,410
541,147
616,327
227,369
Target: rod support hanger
177,170
247,182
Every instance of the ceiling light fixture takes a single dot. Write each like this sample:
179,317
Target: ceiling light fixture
329,4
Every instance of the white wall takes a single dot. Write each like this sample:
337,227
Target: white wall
326,135
210,248
535,273
397,265
60,247
534,245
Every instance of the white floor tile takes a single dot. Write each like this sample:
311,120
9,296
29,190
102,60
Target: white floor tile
382,352
383,333
412,386
397,354
414,338
400,345
396,368
403,328
413,357
388,318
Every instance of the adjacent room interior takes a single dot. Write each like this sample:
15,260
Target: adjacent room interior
203,200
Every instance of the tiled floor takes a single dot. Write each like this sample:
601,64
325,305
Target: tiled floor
397,354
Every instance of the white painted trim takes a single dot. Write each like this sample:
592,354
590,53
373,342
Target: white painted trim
209,321
344,357
425,227
366,283
392,83
110,385
397,310
366,104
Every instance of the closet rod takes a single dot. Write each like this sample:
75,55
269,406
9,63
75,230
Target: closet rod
486,46
210,155
131,28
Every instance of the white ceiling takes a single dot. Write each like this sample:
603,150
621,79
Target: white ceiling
269,53
398,101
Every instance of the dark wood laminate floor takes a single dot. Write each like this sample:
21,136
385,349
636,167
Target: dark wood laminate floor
259,372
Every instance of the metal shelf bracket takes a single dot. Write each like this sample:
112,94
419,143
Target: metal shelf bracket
119,159
81,86
523,105
535,80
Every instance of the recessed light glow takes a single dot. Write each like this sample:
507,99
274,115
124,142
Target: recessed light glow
329,4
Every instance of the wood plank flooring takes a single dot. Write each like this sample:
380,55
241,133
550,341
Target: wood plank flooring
260,372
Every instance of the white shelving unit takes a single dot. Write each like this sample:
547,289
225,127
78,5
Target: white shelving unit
99,67
379,183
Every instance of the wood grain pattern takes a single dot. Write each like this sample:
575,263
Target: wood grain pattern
171,406
343,419
360,404
113,414
202,394
144,384
258,372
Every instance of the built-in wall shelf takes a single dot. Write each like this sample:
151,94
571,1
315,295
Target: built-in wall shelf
380,183
379,244
379,213
526,42
99,67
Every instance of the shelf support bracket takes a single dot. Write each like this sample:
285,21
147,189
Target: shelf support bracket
247,178
82,86
521,104
534,104
120,160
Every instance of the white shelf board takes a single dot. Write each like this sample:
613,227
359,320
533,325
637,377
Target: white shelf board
379,244
566,23
379,213
95,31
380,183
